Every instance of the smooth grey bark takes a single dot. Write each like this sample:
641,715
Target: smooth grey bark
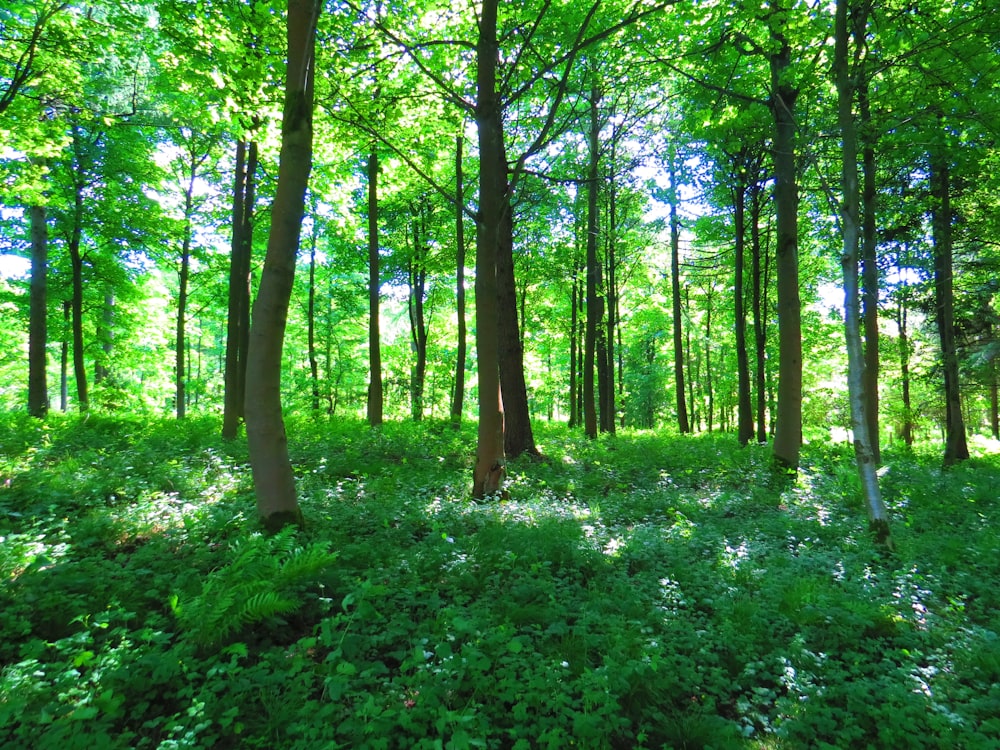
864,457
595,305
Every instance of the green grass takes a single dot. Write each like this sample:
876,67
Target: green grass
638,591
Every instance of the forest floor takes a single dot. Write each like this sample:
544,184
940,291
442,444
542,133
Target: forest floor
640,591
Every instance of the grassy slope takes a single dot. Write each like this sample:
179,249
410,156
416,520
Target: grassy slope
643,591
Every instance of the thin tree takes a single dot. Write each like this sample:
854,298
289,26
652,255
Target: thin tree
850,227
274,483
38,396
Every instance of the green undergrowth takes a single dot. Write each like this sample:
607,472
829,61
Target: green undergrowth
641,591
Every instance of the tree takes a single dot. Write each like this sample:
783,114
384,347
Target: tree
38,396
864,455
274,483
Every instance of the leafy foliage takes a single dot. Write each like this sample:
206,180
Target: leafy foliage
638,591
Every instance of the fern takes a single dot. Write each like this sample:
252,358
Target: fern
264,580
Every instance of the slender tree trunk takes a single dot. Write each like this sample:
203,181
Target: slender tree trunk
994,403
864,457
906,429
869,265
608,415
417,273
490,468
744,407
38,389
64,358
105,334
274,482
182,298
759,324
594,302
375,385
675,294
76,263
311,315
709,389
237,322
788,423
956,448
458,398
518,436
574,335
692,372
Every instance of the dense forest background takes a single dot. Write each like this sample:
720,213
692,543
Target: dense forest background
647,252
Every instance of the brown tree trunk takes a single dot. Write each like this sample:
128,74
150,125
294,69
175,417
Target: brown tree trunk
64,358
458,397
182,296
906,429
417,279
956,448
490,468
76,264
744,408
311,315
518,436
375,386
237,317
274,483
595,306
38,389
788,423
683,425
759,321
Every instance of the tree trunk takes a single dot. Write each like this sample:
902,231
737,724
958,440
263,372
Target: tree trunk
956,448
744,407
994,402
574,336
490,468
64,358
594,302
311,315
274,483
788,423
105,335
864,457
458,397
869,266
709,389
518,436
375,384
237,317
76,263
759,322
182,297
675,295
38,389
417,277
906,429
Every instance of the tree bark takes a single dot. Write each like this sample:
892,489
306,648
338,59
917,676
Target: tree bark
238,317
38,390
490,467
64,358
458,397
759,324
595,305
311,315
956,448
417,278
906,430
375,385
274,483
788,423
869,265
744,407
864,457
518,436
182,295
76,264
675,295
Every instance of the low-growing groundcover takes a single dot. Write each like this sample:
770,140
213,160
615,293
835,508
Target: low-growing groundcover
636,591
